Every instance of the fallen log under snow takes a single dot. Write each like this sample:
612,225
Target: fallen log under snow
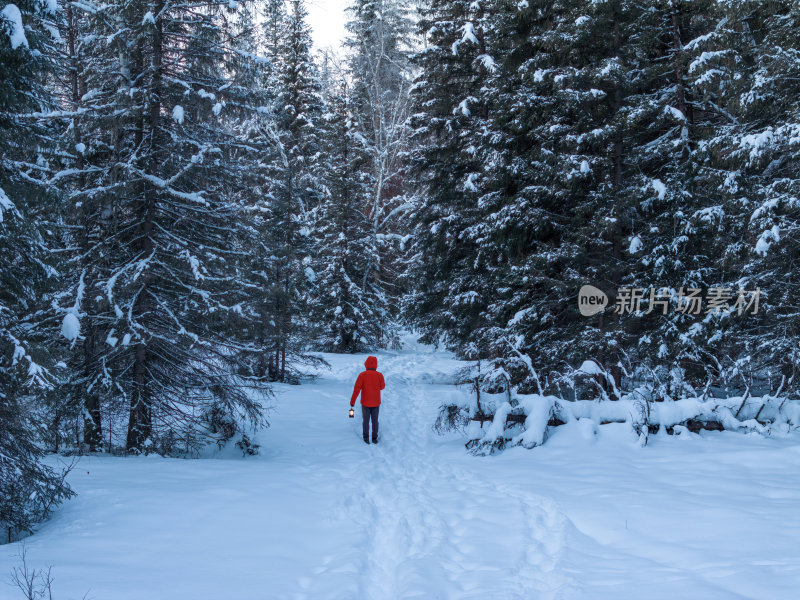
525,420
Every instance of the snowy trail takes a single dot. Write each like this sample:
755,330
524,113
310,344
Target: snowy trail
319,515
415,539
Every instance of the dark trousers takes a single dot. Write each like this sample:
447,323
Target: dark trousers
367,413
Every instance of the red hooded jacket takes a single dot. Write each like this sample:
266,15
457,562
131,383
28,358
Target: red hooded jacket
369,384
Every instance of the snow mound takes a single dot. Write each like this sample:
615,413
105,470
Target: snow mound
660,188
15,29
590,367
766,239
71,327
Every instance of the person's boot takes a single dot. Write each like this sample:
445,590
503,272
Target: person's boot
366,441
374,440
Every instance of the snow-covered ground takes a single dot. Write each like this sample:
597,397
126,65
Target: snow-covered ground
319,515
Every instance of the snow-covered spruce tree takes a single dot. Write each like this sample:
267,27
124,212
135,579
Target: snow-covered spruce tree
250,120
166,287
249,117
84,91
28,488
745,72
350,305
449,118
273,22
667,251
25,243
623,144
295,175
545,227
379,42
585,160
543,190
600,165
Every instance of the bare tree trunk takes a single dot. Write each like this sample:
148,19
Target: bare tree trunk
92,424
619,161
283,362
680,88
92,427
140,422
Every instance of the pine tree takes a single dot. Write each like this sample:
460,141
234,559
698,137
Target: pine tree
673,240
296,188
379,34
583,161
449,119
532,220
545,224
745,71
272,29
25,198
601,163
164,213
28,488
252,122
87,181
350,304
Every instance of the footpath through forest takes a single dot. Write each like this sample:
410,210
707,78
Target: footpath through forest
318,515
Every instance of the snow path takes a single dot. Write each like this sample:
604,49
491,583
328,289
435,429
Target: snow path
318,515
428,523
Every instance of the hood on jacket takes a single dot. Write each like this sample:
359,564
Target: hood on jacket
371,362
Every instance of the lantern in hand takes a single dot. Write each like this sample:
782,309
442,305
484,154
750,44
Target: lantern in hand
352,413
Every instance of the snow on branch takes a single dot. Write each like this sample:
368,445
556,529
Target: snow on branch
13,26
6,205
467,35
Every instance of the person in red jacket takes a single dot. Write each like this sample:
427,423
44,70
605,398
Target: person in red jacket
369,384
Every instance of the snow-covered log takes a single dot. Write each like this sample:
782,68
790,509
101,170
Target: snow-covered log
527,420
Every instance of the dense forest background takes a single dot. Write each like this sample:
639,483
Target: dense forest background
193,202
